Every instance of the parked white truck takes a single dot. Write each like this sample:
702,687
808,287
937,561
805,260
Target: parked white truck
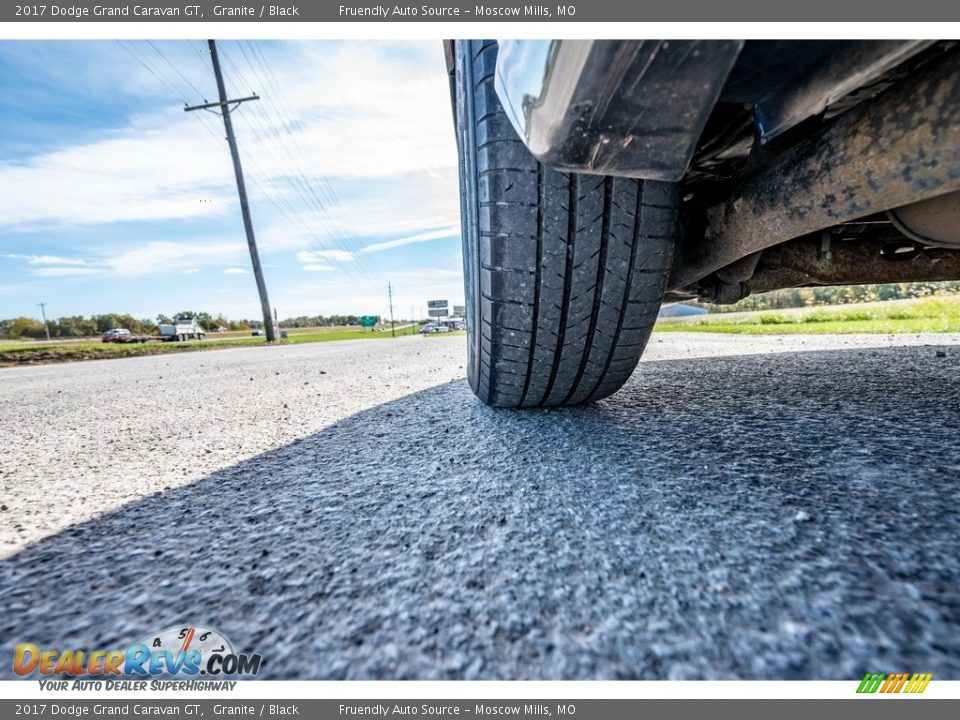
183,328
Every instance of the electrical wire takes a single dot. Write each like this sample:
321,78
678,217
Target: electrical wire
176,69
329,205
267,126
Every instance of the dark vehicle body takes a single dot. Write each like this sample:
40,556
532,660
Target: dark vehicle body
124,337
752,165
115,335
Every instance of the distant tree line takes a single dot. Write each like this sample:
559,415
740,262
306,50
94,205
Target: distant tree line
211,323
79,326
74,326
838,295
304,321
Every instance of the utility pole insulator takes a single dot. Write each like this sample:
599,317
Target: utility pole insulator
225,111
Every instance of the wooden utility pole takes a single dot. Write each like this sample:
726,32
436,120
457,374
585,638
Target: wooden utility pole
390,294
43,311
225,109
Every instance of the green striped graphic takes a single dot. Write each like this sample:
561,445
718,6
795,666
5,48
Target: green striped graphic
895,683
871,682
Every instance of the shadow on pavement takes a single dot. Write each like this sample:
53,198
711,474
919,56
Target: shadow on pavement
778,516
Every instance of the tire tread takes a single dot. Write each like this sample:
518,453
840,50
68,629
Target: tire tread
571,268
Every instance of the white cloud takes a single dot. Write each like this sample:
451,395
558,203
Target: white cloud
370,122
337,294
47,266
359,110
47,259
235,271
410,205
410,239
141,173
154,258
363,109
164,256
66,271
307,256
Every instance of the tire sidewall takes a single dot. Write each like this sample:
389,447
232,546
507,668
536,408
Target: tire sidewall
467,150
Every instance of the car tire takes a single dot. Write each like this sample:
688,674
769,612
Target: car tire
564,273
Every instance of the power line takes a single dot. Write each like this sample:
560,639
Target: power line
267,125
293,217
329,205
176,69
296,179
202,58
160,76
300,193
143,62
257,50
332,198
163,79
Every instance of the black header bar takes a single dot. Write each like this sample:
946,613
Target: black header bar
68,707
544,11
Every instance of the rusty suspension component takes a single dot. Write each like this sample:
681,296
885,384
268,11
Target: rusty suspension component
810,262
898,148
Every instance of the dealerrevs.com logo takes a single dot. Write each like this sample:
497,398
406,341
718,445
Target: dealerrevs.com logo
183,651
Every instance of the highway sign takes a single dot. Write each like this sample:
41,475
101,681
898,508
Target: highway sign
368,321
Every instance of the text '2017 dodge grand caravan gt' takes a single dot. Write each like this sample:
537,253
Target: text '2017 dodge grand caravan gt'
599,178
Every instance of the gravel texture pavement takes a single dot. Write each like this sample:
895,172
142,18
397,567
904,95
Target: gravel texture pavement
747,507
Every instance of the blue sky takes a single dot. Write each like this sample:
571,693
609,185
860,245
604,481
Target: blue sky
115,200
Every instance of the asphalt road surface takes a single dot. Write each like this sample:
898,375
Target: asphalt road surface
745,508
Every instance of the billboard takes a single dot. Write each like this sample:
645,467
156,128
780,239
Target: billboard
437,308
